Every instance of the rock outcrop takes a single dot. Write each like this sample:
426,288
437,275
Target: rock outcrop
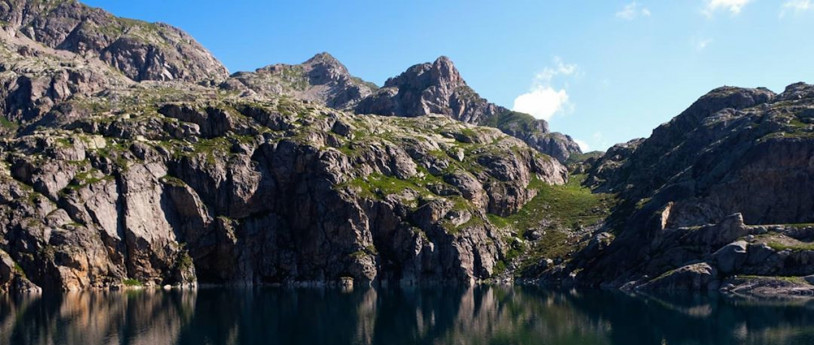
725,184
129,158
438,88
321,79
429,88
35,78
236,191
140,50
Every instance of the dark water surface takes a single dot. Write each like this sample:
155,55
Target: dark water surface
479,315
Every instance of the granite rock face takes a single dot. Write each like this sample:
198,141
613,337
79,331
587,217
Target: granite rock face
128,156
321,79
429,88
235,191
140,50
438,88
725,183
36,78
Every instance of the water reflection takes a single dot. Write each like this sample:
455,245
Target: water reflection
480,315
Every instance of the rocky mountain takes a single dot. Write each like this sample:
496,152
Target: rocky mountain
321,79
429,88
438,88
231,191
129,157
720,192
140,50
109,179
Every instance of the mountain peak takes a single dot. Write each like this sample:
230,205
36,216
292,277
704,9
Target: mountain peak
441,72
324,58
438,88
321,78
444,72
140,50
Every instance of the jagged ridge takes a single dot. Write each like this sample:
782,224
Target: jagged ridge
140,50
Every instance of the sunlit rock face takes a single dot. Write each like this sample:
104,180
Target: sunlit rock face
438,88
140,50
178,190
129,158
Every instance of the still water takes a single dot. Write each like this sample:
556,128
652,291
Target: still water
479,315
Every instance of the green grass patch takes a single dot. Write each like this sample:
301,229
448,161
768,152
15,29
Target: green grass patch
799,225
795,247
212,149
566,207
789,279
8,124
581,157
378,185
173,181
513,121
19,270
132,282
570,205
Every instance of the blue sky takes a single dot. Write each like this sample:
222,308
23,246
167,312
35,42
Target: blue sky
601,71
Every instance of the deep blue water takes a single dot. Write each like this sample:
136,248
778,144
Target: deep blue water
478,315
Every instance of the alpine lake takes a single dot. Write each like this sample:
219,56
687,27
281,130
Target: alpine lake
441,315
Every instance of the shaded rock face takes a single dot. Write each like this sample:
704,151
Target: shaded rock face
140,50
438,88
606,169
321,79
746,152
246,192
691,277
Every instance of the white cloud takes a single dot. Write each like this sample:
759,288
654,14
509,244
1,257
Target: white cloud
701,44
796,6
559,68
583,145
544,100
733,6
632,10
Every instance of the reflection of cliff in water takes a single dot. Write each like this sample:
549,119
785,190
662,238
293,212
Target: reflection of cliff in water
408,316
479,315
137,317
699,319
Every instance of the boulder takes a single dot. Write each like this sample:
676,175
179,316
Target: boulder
730,258
694,277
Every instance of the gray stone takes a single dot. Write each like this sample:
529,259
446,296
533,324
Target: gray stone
730,258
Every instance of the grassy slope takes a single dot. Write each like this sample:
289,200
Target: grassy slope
560,212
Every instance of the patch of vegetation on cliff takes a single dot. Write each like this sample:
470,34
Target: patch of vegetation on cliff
86,178
568,206
795,247
556,212
512,121
8,124
378,186
173,181
788,279
581,157
212,149
132,283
